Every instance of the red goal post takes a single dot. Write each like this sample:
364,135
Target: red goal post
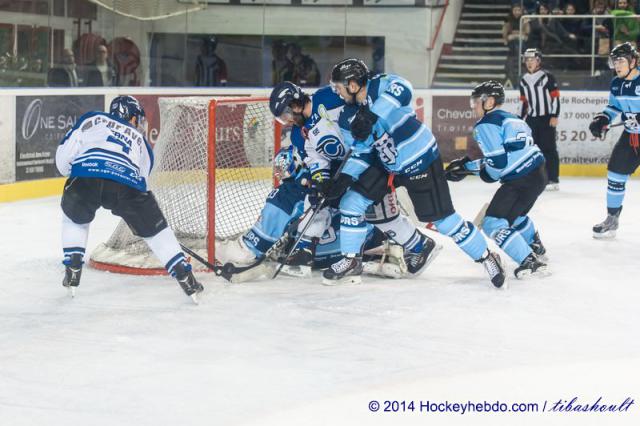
211,176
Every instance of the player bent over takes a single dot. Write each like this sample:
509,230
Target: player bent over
284,206
624,161
386,139
511,157
320,143
108,161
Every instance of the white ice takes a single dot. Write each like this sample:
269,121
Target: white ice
135,351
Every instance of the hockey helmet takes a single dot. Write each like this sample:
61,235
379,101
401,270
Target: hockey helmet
286,163
532,53
280,100
488,89
625,50
126,107
350,69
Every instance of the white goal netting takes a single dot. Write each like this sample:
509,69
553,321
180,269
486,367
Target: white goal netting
211,176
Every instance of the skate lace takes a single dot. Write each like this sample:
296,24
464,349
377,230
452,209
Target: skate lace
342,266
491,265
414,259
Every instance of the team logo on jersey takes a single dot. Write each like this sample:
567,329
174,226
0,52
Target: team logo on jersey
637,90
330,146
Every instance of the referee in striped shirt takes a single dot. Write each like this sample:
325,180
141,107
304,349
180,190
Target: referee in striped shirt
540,108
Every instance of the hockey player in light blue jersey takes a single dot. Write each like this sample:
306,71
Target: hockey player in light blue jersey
284,206
321,146
624,100
511,157
387,139
107,161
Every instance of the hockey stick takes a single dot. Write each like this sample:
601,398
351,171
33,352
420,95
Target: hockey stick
319,207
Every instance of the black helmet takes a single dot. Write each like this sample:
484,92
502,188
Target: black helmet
281,97
624,50
489,88
532,53
350,69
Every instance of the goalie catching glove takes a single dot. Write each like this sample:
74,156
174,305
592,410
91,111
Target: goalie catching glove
598,126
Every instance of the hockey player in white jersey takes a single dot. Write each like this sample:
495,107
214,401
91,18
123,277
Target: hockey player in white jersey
107,161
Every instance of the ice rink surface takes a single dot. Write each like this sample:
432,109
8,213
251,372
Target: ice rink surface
136,351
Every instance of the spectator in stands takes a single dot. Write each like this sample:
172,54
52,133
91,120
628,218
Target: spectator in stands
211,70
64,75
305,69
625,29
529,6
281,66
101,72
603,32
549,35
511,34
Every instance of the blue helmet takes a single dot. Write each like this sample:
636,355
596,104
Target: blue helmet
280,100
126,107
286,163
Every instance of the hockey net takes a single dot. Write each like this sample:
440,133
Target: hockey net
211,176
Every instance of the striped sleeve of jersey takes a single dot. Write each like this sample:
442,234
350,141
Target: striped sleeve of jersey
613,109
554,94
524,106
396,94
489,137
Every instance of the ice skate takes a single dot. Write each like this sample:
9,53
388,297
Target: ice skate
187,281
607,228
345,271
72,274
300,262
531,265
418,261
552,187
493,265
538,248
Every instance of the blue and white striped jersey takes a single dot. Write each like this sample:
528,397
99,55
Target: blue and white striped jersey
100,145
403,144
320,141
507,146
624,99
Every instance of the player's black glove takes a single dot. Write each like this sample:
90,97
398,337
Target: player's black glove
485,176
338,187
320,184
455,171
598,124
362,123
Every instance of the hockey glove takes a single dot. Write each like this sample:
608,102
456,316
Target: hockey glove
598,125
320,183
456,171
484,175
339,187
362,123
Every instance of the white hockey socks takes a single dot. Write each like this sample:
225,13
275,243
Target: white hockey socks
166,248
74,238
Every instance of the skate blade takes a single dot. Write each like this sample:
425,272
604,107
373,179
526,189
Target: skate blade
71,291
297,271
195,298
523,275
353,279
604,235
